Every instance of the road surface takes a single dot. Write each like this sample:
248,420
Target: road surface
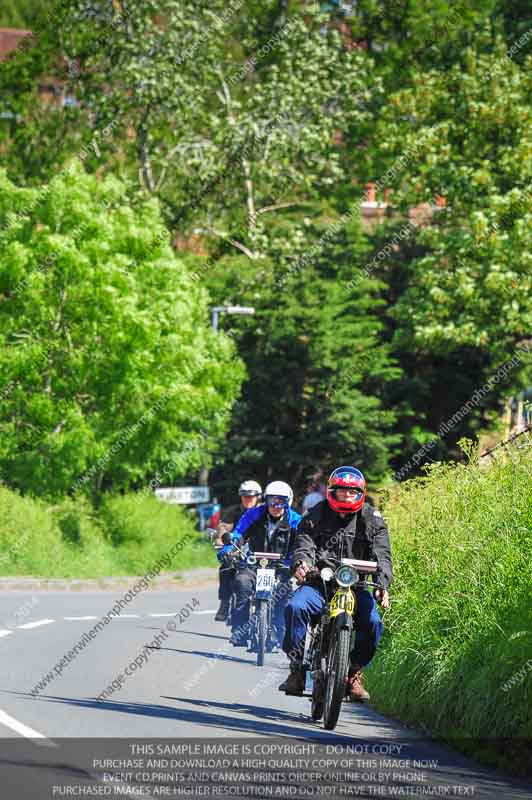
69,731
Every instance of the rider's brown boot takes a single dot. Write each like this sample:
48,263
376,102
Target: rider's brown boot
295,683
355,682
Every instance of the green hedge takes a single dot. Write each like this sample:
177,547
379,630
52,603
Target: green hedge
457,653
126,536
141,529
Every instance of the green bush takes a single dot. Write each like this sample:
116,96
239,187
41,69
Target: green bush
459,633
50,541
125,537
141,529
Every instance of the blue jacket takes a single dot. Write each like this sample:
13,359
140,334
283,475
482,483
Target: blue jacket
251,528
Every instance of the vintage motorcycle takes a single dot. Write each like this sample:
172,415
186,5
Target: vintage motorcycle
261,633
329,639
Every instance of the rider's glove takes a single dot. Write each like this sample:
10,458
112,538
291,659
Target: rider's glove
223,551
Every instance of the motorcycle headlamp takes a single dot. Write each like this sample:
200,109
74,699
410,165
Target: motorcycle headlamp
346,576
326,574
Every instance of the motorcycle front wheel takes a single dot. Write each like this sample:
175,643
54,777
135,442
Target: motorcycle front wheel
261,611
337,669
316,710
318,682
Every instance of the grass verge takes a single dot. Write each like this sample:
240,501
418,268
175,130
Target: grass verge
70,540
456,659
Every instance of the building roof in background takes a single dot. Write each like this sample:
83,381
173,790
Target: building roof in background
9,40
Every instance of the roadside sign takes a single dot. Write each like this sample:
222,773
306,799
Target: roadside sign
184,494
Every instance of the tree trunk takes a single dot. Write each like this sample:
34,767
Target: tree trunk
250,199
144,156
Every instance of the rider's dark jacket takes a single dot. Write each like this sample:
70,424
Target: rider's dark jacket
322,534
253,528
232,514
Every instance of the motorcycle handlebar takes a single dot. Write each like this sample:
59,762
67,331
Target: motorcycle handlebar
252,561
314,571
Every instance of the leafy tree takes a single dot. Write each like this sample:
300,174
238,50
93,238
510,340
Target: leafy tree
108,366
472,287
458,290
41,123
225,120
317,367
256,131
21,13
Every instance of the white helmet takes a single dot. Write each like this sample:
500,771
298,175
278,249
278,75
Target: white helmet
279,489
250,489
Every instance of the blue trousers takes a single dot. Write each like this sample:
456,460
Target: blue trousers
308,602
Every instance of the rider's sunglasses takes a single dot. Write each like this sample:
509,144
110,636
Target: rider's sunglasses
276,502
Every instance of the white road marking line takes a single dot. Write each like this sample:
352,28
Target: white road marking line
128,616
24,730
29,625
206,611
80,618
5,633
164,615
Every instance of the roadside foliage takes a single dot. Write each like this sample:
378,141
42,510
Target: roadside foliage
109,365
360,174
257,133
457,654
70,539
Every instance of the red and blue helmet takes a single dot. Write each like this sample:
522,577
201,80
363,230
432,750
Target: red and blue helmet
346,478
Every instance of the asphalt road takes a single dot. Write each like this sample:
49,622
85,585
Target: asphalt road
193,685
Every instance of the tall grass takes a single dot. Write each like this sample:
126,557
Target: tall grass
459,633
125,537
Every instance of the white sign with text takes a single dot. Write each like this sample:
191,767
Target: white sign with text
184,494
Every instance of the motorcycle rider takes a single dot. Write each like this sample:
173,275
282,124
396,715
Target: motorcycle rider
342,525
267,528
250,493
